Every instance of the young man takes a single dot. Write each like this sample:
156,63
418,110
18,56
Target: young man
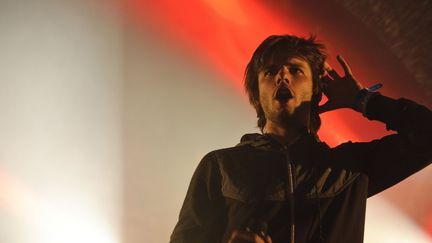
285,185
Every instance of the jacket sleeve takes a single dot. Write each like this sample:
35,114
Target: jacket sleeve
393,158
201,217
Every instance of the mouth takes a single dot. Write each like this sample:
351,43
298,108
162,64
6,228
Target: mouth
283,94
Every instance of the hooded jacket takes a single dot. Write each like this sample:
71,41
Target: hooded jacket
307,192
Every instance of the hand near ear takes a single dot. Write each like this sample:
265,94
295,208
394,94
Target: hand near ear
340,91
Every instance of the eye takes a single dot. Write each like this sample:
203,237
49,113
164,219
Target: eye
295,70
271,71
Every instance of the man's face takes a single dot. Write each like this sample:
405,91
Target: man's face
284,85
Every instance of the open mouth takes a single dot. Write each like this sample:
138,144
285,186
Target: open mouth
283,95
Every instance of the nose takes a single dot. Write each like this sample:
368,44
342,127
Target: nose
283,76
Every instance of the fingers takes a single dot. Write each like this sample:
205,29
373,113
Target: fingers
330,71
324,82
344,65
340,91
239,236
268,239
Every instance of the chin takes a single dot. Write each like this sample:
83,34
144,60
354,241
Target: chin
287,110
285,115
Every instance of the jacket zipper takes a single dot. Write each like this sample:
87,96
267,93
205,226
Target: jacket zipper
291,195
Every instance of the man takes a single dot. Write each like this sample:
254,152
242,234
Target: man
285,185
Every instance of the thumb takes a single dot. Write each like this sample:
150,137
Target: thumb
268,239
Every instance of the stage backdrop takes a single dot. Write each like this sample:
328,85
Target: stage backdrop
106,108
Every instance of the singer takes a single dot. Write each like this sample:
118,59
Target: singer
284,184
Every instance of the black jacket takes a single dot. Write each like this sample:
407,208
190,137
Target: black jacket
308,191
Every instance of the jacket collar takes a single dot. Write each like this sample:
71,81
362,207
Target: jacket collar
308,147
266,140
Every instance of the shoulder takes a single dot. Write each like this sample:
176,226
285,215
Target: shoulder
221,156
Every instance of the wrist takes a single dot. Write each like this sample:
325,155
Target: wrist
363,97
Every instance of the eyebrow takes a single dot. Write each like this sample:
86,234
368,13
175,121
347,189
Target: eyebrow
297,63
290,63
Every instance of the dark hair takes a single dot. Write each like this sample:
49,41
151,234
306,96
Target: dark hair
308,49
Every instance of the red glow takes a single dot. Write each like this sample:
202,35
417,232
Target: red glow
428,225
225,33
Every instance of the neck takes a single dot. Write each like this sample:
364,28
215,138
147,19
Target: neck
286,135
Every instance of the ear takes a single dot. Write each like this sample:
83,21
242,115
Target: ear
322,76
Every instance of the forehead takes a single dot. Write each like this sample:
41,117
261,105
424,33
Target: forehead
279,53
280,59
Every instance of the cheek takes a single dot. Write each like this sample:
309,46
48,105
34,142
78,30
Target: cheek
262,89
262,99
305,90
265,93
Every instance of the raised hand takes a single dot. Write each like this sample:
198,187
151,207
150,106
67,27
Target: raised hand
340,91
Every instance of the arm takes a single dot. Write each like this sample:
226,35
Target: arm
202,215
392,158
